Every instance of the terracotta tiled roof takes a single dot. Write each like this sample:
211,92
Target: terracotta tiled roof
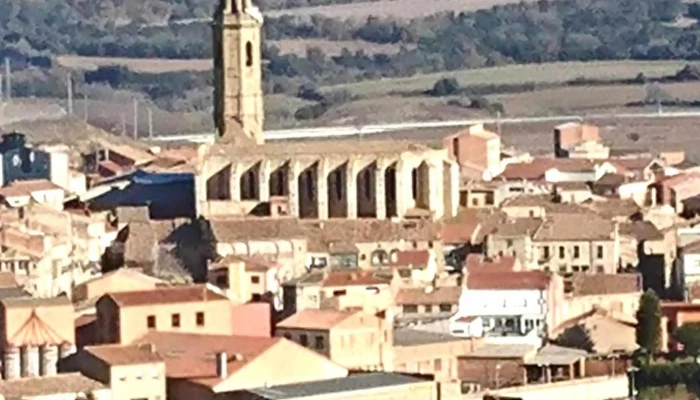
166,295
353,278
26,188
518,227
609,179
125,355
536,169
613,208
602,284
136,155
575,227
420,296
412,258
322,234
316,319
478,263
111,166
641,230
192,356
70,384
517,280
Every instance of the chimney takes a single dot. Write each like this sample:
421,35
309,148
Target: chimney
221,365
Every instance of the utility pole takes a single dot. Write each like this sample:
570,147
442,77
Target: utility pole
85,105
69,84
8,79
150,124
136,119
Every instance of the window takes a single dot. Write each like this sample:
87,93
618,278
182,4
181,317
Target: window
288,336
320,343
562,268
545,251
139,375
303,340
200,318
600,269
430,244
489,199
438,365
585,268
428,308
577,252
175,320
410,309
531,213
445,307
254,279
475,202
576,268
339,293
455,148
249,54
562,252
509,242
256,297
154,373
599,252
151,322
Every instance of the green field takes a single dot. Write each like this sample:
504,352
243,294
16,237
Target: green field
515,74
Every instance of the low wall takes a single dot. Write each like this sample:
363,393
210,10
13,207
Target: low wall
599,388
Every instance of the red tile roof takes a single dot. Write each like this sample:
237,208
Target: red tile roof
316,319
125,355
478,263
412,258
353,278
192,356
421,296
602,284
166,295
7,280
535,169
26,188
516,280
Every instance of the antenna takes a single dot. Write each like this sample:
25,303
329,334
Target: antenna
69,85
136,118
8,79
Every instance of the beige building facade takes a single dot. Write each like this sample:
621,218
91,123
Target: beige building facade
238,105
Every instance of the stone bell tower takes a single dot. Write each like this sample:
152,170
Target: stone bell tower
238,98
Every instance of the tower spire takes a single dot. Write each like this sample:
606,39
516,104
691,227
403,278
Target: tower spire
238,98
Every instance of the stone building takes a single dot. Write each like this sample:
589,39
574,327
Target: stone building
37,332
241,175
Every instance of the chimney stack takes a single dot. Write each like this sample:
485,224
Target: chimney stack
221,365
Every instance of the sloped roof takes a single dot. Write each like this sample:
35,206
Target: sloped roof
478,263
602,284
641,230
166,295
434,296
27,187
536,169
508,280
115,354
574,227
317,319
71,384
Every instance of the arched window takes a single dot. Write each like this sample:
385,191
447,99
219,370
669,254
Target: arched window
249,54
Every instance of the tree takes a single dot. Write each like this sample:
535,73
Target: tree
689,336
445,87
577,337
648,330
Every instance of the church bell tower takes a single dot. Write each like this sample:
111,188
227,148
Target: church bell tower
238,98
